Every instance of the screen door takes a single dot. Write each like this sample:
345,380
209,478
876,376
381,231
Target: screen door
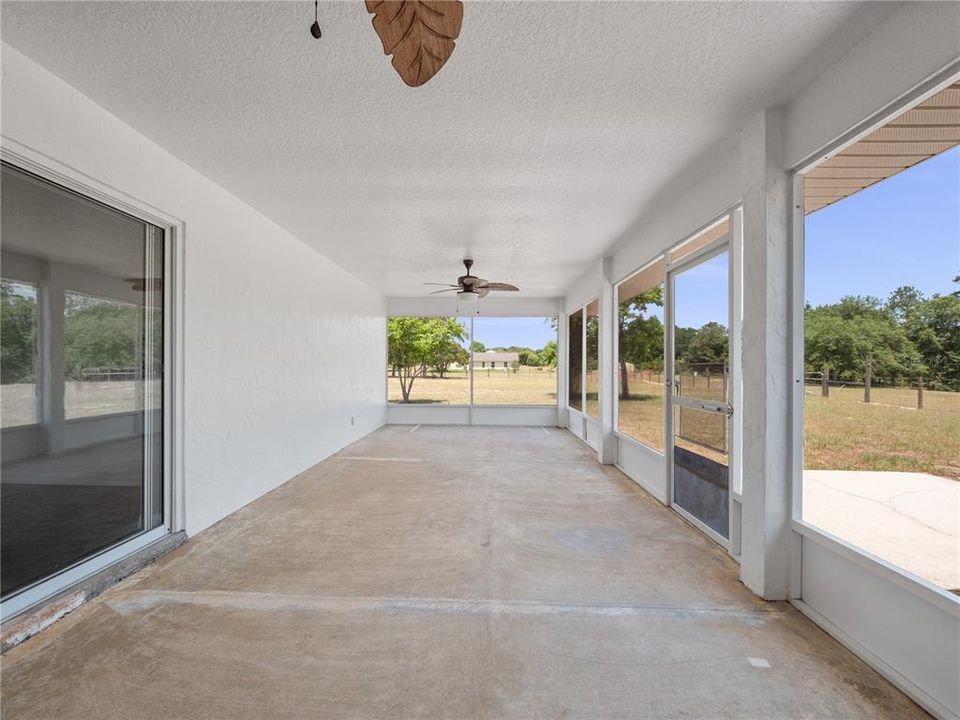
699,342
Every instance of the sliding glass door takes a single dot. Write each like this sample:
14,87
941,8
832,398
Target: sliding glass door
82,399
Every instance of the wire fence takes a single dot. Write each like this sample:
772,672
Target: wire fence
109,374
900,392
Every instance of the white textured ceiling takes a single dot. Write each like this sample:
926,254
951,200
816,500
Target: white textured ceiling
547,134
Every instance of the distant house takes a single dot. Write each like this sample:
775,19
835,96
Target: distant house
495,360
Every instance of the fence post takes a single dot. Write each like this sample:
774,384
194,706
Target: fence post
867,377
825,381
920,393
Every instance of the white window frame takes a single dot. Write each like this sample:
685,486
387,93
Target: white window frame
44,167
661,258
470,404
734,239
583,357
921,587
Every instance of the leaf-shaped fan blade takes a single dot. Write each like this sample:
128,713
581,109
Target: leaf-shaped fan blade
471,280
443,284
437,292
418,33
482,292
499,286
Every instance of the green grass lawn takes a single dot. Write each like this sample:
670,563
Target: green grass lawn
844,433
841,431
527,386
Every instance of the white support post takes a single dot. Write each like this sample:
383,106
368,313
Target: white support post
735,386
607,451
765,535
562,366
51,362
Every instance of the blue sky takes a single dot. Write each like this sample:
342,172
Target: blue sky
902,231
531,332
703,294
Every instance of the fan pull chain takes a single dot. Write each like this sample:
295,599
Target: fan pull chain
315,28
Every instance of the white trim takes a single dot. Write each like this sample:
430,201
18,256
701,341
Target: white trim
642,484
921,92
63,580
924,589
398,403
669,424
735,358
581,439
639,443
797,363
43,166
914,692
713,248
473,372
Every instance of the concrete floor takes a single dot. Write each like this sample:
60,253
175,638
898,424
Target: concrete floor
444,573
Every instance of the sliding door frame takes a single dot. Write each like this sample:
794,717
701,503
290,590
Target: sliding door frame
29,160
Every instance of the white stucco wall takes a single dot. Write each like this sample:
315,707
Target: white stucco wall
283,347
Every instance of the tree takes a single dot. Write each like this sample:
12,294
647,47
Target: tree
528,357
415,344
548,354
100,333
708,345
593,342
933,326
640,335
903,302
17,335
478,346
843,335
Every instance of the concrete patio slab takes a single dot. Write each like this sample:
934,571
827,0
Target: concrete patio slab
464,573
909,519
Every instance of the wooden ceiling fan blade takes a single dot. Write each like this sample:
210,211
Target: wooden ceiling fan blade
475,281
503,287
451,285
419,35
437,292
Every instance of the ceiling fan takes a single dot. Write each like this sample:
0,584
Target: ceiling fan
419,34
470,287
